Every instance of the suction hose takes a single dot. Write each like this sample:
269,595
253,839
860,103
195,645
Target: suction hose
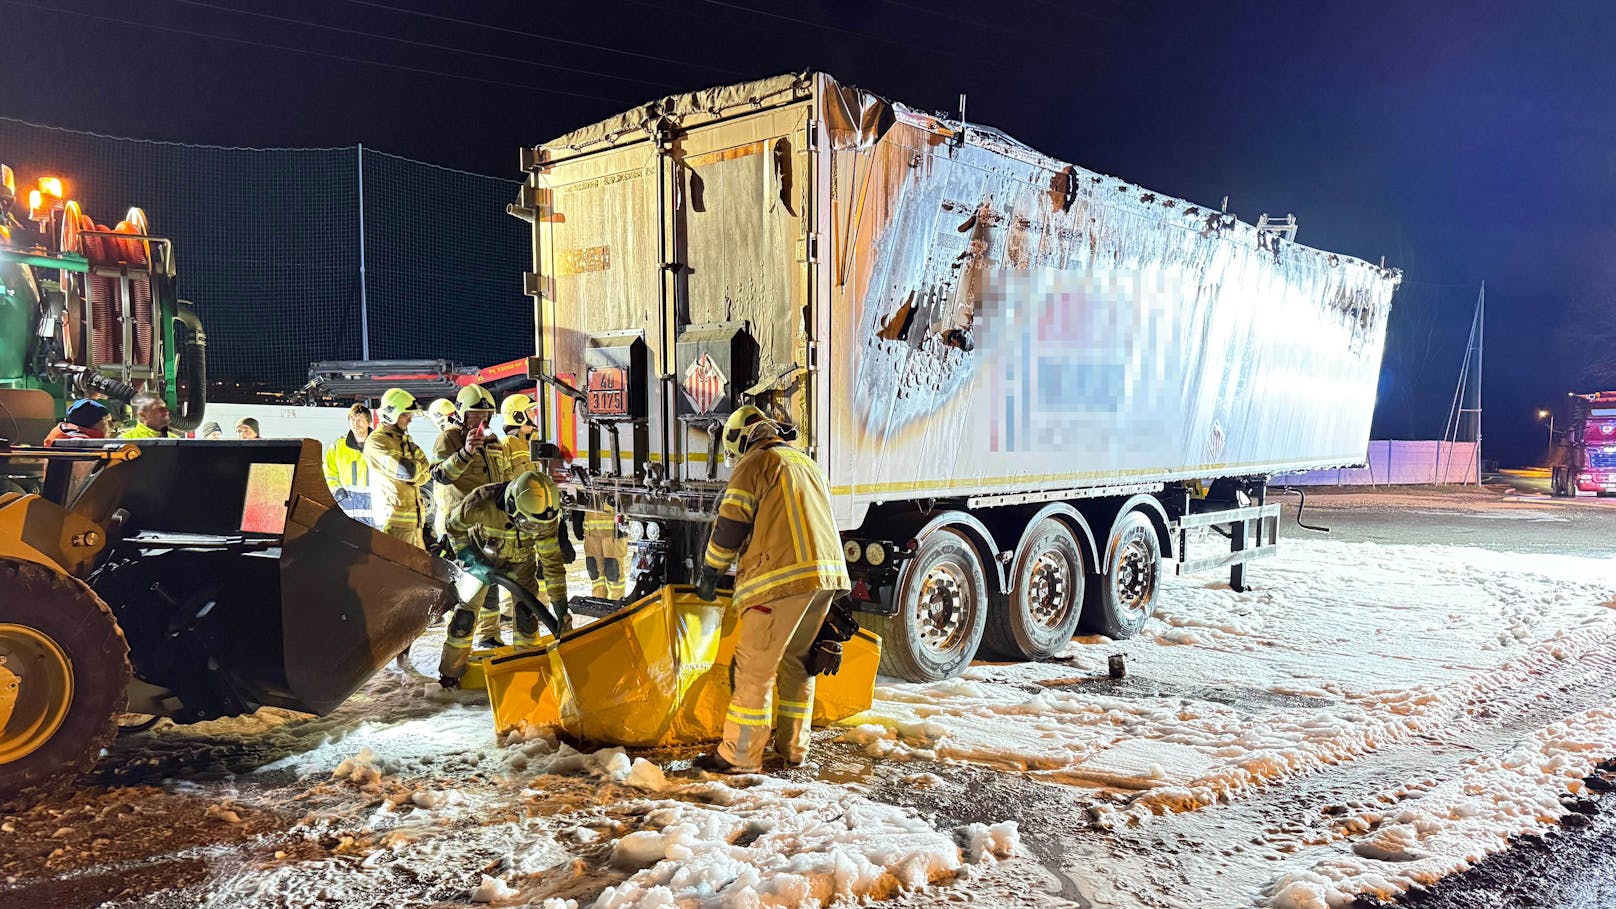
522,596
190,370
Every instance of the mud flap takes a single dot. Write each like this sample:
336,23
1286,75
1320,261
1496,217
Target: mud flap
352,598
653,674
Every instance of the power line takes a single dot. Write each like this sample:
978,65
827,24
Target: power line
543,37
410,41
303,50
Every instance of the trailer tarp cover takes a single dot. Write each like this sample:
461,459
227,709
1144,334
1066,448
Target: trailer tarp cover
963,315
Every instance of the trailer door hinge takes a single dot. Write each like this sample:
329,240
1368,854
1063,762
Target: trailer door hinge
813,246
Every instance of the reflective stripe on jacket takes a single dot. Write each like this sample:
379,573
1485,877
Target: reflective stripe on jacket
479,521
775,518
345,469
518,457
455,474
398,470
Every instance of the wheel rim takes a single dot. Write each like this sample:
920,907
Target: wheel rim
1049,589
1136,579
944,609
36,690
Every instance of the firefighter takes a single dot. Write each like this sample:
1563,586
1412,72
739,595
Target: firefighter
441,410
84,421
346,472
605,550
462,458
398,469
516,422
774,517
465,457
151,418
512,528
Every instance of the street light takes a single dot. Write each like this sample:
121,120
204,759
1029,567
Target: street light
1548,415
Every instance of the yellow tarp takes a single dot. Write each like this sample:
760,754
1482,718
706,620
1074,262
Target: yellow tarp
656,673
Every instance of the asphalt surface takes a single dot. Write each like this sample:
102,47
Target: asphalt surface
1574,865
1510,515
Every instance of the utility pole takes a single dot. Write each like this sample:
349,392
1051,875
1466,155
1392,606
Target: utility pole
1467,396
364,304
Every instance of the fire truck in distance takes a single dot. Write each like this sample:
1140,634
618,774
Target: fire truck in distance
1585,456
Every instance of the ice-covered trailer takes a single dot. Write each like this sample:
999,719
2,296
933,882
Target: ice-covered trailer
1027,383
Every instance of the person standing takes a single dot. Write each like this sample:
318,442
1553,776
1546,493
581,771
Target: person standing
398,469
84,421
151,418
247,428
512,528
775,519
211,431
516,423
346,473
464,457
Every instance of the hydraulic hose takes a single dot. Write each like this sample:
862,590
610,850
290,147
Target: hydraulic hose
522,596
112,388
190,370
1302,504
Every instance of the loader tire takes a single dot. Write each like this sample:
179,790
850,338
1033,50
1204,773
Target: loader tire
65,679
1039,614
942,598
1124,594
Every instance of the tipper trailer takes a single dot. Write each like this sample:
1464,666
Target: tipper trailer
1028,384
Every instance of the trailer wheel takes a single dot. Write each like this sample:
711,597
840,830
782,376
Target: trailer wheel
1124,595
1037,617
64,674
942,597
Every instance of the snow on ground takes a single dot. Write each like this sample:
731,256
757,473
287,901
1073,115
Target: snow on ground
1346,656
535,821
1355,646
1458,821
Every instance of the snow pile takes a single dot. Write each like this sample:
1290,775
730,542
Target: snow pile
1456,823
492,890
789,844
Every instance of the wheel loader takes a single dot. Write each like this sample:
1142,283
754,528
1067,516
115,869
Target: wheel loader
189,579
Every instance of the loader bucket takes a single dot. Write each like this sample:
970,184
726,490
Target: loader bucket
235,556
656,673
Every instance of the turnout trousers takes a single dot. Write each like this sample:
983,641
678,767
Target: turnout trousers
467,619
772,640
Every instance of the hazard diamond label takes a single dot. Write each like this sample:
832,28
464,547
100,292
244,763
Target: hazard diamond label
704,383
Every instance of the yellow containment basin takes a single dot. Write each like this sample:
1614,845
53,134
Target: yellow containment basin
655,673
474,679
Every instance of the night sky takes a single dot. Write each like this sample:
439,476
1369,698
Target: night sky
1461,141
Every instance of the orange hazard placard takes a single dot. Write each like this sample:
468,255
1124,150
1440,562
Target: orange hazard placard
608,391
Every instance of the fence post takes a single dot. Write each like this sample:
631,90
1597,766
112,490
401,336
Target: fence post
364,304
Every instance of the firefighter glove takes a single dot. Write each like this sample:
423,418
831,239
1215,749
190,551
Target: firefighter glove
707,584
824,658
563,539
341,495
474,563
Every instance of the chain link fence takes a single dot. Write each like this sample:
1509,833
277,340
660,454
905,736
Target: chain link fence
285,263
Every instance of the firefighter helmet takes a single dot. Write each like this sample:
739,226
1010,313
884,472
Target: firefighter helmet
533,496
744,428
396,402
514,409
473,397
